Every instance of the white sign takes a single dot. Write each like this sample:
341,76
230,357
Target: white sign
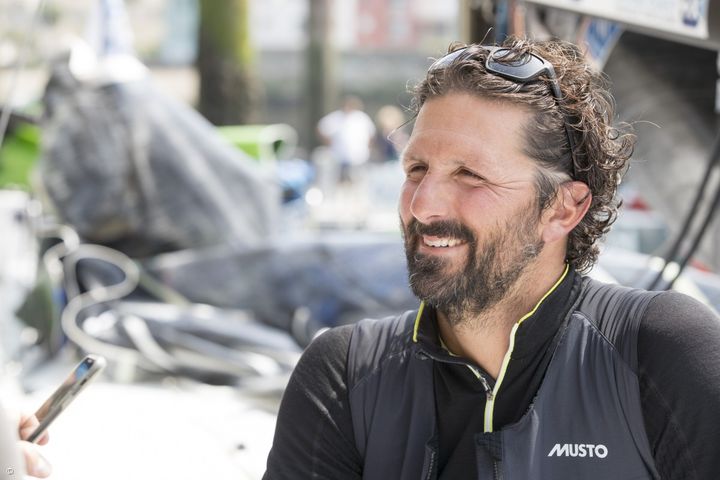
682,17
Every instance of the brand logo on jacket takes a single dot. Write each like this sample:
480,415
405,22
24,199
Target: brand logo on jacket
578,450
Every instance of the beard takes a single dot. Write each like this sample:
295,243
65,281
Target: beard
486,276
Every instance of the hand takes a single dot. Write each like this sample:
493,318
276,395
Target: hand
35,464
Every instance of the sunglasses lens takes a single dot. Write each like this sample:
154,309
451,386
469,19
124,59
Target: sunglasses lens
443,62
522,69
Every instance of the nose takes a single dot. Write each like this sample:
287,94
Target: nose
431,200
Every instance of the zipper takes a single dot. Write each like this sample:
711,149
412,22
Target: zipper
490,404
497,474
489,394
431,466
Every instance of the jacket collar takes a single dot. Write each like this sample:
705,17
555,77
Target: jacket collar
534,330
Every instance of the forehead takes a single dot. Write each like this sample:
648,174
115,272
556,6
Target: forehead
461,126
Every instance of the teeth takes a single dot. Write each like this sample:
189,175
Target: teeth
441,242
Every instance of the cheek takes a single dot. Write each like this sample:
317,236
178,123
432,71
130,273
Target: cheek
481,209
484,213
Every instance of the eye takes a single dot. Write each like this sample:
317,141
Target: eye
415,171
471,176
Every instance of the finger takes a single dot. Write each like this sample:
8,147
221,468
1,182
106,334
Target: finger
28,423
43,439
35,464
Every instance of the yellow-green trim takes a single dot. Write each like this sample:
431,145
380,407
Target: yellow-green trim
490,404
417,321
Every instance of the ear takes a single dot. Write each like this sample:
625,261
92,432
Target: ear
569,207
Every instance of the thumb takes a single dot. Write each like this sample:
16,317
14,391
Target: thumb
35,464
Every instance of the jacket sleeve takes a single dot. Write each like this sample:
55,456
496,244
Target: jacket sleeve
679,370
313,435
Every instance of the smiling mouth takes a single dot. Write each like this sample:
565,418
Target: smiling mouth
441,242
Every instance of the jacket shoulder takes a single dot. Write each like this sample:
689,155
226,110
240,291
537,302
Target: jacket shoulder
617,312
373,342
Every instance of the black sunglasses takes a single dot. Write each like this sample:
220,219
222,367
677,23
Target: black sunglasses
522,70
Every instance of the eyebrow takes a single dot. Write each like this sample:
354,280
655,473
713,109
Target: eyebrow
405,159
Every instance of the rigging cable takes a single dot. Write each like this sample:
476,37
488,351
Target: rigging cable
713,162
709,216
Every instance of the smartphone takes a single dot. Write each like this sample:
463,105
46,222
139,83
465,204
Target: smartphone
84,373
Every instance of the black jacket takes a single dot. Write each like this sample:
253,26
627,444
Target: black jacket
585,421
678,370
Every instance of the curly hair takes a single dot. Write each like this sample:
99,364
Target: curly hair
601,150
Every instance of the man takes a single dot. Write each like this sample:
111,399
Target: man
515,366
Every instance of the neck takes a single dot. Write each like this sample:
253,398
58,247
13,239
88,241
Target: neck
485,337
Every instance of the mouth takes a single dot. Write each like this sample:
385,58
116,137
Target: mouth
441,242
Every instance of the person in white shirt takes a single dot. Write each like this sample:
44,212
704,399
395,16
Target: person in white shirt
348,132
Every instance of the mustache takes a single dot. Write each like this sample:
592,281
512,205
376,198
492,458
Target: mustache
441,228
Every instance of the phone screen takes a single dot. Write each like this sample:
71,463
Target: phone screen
85,371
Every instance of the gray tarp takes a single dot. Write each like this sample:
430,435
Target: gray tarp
129,167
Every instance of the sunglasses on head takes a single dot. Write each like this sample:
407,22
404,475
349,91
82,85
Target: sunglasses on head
522,70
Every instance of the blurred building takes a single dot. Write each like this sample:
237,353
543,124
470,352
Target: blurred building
357,25
378,46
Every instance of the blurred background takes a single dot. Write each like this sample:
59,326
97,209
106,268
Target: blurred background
194,189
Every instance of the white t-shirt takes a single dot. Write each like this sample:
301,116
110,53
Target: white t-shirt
350,134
